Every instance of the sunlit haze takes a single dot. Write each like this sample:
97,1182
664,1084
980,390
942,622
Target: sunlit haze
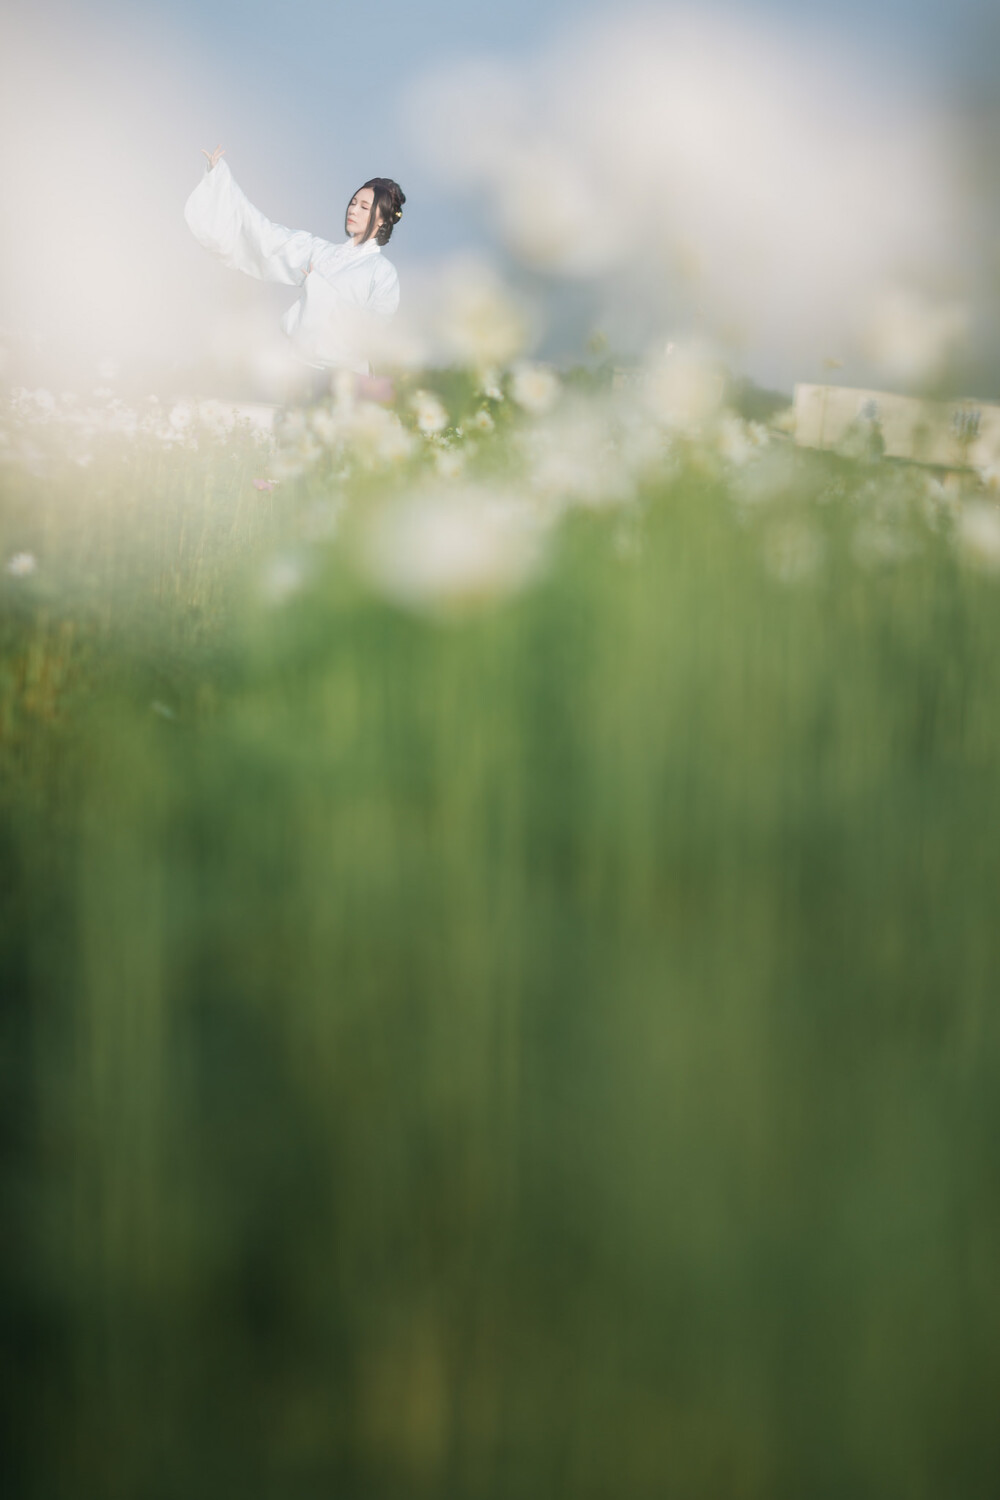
801,189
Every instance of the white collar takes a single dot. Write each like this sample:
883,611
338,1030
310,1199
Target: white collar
365,248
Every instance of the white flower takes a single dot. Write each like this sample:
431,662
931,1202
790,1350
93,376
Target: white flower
793,551
329,426
877,542
393,443
22,564
371,434
489,384
483,422
941,500
345,388
430,414
432,550
685,388
765,479
449,463
644,446
552,210
740,441
574,457
181,416
979,536
282,577
287,464
292,426
989,477
535,387
481,322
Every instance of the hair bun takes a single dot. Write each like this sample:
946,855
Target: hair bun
387,203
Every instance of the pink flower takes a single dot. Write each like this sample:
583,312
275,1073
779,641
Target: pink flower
375,388
264,484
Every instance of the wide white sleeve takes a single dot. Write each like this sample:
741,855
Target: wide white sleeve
221,217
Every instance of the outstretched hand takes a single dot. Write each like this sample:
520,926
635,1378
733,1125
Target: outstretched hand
213,156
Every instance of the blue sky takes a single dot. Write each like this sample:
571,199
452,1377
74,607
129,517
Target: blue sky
111,101
306,95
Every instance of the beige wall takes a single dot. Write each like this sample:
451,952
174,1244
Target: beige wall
952,434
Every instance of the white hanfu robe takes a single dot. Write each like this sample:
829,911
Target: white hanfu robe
349,292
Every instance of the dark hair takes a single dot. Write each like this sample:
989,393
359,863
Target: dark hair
388,199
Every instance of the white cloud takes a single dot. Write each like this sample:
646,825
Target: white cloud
759,184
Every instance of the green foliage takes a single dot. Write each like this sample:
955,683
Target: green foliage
549,1049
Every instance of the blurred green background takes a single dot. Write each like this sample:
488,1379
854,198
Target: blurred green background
552,1052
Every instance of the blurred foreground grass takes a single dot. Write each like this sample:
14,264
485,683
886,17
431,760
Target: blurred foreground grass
549,1051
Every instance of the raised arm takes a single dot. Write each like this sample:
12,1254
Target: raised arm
222,218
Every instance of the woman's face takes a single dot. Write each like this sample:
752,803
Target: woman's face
358,211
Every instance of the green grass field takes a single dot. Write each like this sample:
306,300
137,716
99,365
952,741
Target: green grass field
500,960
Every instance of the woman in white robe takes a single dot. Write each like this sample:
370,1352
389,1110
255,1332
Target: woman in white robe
348,287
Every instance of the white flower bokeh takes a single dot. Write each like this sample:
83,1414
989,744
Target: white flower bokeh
449,550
